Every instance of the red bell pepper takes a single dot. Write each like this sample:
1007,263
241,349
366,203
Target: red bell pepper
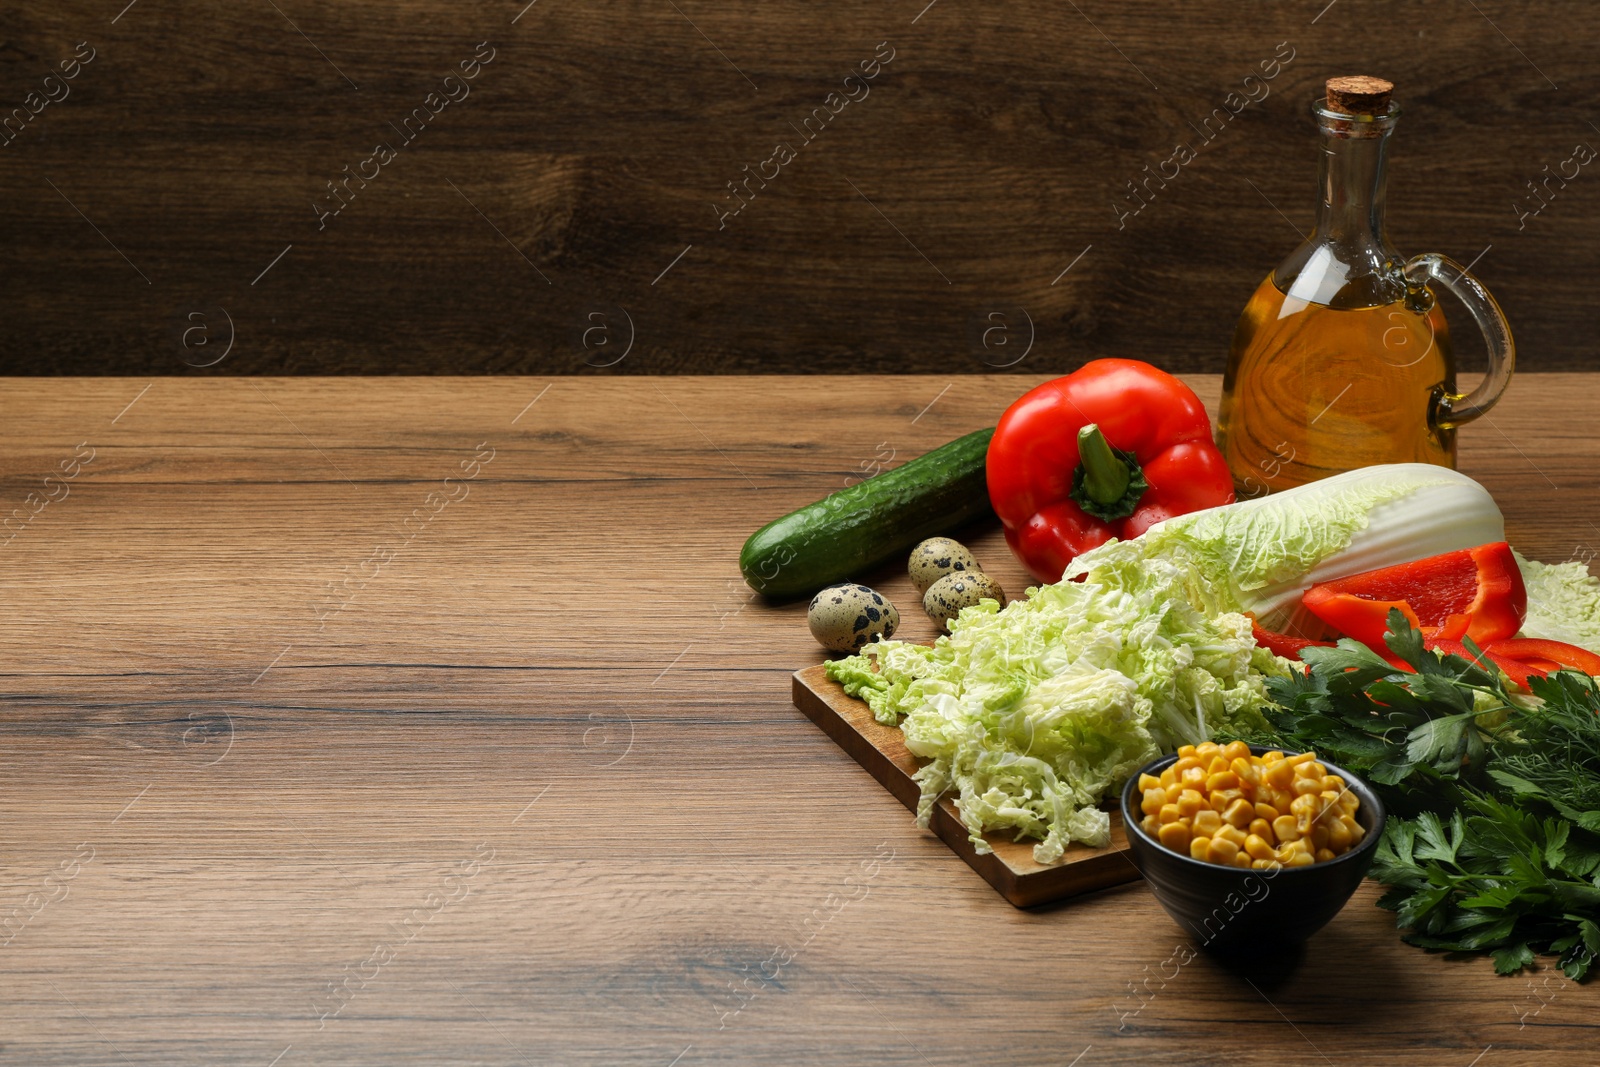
1286,645
1524,657
1515,669
1474,592
1547,656
1107,451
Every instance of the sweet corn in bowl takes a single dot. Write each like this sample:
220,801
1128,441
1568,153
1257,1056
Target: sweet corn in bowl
1249,847
1229,806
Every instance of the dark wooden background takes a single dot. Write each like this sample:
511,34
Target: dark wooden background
573,188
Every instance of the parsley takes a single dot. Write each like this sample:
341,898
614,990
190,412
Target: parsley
1493,844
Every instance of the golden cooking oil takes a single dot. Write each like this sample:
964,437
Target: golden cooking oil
1313,390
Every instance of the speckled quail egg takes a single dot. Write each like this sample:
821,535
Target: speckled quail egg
937,557
945,598
845,617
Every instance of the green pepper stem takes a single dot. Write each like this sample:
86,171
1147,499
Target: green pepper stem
1105,475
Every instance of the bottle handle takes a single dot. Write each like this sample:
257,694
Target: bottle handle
1452,409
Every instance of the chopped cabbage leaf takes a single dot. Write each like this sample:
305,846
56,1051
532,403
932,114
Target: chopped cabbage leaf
1563,602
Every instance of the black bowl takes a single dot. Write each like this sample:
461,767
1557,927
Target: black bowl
1230,908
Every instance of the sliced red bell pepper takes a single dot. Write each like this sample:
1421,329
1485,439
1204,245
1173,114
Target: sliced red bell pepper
1107,451
1547,655
1285,645
1473,592
1517,670
1524,657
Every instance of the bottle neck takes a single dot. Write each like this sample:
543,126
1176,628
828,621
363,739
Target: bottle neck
1348,261
1352,175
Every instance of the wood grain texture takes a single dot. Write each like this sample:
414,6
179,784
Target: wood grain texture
584,173
1008,865
536,793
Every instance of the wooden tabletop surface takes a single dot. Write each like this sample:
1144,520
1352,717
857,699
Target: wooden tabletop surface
428,721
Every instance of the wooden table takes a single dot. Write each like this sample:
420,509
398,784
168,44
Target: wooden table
427,721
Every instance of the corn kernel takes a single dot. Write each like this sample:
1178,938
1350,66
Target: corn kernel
1284,828
1173,792
1185,750
1324,855
1190,801
1302,758
1194,777
1281,774
1266,811
1153,799
1338,837
1307,786
1319,837
1184,763
1168,813
1300,859
1304,807
1239,813
1258,848
1222,780
1206,749
1242,859
1200,848
1236,750
1175,836
1207,822
1151,824
1169,777
1149,781
1222,851
1246,772
1262,829
1231,833
1271,757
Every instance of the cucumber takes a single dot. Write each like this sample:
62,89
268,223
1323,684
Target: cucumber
855,529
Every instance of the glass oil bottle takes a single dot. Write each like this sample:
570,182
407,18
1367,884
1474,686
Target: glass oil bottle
1342,358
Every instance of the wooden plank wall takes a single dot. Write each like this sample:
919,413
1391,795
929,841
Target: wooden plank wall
563,213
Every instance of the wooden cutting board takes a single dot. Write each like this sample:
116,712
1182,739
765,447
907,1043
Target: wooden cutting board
1010,868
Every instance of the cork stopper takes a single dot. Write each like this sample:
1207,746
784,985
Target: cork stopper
1359,94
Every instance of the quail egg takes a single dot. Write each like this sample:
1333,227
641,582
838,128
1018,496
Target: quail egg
845,617
961,589
937,557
